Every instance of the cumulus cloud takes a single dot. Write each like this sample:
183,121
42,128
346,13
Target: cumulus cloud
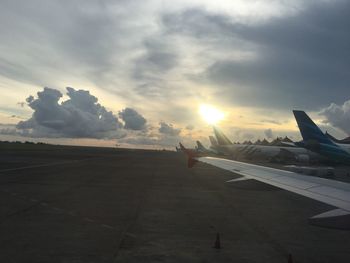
132,119
7,129
338,116
168,129
268,133
80,116
168,137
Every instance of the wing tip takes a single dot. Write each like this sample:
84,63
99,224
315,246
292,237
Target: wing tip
190,154
243,178
337,219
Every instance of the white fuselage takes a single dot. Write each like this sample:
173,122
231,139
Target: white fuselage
262,150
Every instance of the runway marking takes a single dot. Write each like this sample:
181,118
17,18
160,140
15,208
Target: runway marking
41,165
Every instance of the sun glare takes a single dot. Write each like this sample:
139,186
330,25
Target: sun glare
210,114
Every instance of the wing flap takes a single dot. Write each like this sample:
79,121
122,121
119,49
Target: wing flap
332,213
289,180
329,191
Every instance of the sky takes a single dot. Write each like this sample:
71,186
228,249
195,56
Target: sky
135,73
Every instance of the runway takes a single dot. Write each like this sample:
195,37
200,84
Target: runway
79,204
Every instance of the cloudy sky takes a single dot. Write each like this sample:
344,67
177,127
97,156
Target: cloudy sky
136,72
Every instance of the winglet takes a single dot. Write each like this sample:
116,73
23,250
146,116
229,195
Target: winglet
337,218
190,154
243,178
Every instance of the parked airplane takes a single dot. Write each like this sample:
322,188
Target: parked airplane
334,193
223,144
343,141
226,147
213,141
201,149
315,140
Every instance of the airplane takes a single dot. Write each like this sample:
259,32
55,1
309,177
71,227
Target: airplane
200,148
290,151
331,192
342,141
315,140
213,142
196,148
223,145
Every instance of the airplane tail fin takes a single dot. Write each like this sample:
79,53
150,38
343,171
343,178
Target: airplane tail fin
308,129
213,141
190,154
221,137
200,146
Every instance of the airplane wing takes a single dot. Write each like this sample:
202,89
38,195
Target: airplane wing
334,193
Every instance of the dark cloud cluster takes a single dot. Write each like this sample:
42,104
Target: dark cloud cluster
296,60
151,68
338,116
80,116
168,129
166,135
57,35
132,119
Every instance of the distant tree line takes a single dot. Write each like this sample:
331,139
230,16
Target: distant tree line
25,142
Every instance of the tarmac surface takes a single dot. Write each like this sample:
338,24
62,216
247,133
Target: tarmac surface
76,204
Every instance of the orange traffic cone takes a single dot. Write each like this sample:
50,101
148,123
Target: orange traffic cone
217,244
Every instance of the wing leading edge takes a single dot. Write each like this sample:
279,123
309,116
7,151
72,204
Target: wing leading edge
331,192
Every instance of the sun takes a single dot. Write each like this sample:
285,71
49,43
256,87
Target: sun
210,114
